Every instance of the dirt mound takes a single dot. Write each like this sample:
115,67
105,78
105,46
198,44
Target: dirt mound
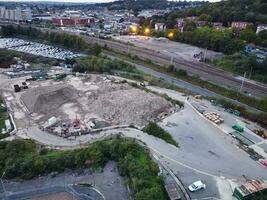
131,106
48,98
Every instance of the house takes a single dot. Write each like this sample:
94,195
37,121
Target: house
180,23
261,27
217,25
240,25
200,24
160,27
247,190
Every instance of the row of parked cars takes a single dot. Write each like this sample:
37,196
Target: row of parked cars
36,48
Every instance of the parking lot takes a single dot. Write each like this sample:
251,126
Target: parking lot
35,48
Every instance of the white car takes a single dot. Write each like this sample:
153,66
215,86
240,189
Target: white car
198,185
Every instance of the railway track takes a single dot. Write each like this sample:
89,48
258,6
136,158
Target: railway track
204,70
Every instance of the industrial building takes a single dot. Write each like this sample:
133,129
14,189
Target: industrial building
15,15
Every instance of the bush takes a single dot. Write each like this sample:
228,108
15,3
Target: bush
21,159
155,130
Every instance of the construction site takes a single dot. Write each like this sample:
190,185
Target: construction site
76,105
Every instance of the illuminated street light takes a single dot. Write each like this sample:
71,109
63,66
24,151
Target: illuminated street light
147,31
134,29
170,35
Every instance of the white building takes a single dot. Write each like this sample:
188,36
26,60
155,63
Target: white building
16,15
261,27
160,27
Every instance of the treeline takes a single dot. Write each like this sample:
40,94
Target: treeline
68,41
138,5
102,64
23,159
240,63
206,37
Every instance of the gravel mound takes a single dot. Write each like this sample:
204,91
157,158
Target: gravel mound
130,106
48,98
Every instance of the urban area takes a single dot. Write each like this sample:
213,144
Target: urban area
133,100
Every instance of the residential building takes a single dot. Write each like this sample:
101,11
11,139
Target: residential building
247,190
261,27
217,25
160,27
240,25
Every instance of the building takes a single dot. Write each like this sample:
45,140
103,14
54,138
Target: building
240,25
72,21
261,27
180,23
217,25
247,190
16,15
160,27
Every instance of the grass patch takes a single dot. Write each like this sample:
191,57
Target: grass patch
155,130
23,159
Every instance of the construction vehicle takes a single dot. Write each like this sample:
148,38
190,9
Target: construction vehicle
260,132
238,128
17,88
60,77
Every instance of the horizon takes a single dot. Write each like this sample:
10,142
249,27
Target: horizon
83,1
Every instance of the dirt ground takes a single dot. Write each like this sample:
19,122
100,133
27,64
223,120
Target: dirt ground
55,196
94,101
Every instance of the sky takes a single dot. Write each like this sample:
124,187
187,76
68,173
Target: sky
88,1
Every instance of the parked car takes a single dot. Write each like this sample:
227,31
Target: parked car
198,185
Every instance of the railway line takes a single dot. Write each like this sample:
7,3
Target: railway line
205,71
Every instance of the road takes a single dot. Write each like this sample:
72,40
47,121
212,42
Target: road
105,183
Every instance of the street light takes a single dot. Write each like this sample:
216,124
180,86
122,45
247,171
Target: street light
134,29
147,31
170,35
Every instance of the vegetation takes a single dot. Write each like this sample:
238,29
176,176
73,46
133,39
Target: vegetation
102,64
155,130
23,159
253,11
3,115
213,39
239,63
258,117
138,5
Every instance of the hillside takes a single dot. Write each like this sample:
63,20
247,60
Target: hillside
232,10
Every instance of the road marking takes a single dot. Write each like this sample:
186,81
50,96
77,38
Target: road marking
184,165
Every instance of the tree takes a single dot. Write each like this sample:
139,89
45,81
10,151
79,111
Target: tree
96,49
205,17
248,35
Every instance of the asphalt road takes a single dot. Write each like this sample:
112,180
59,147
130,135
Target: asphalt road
108,183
